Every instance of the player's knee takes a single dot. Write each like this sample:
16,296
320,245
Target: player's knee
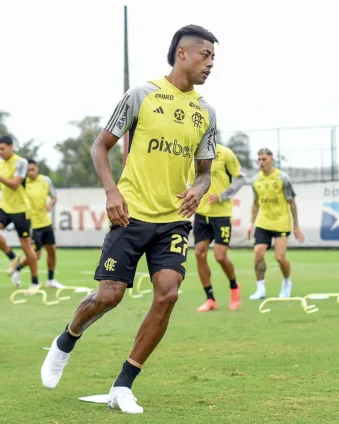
106,299
220,256
167,299
259,253
201,254
280,257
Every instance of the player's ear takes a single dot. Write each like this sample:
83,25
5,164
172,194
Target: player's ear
181,53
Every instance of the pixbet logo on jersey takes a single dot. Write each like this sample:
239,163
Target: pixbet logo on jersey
169,147
330,216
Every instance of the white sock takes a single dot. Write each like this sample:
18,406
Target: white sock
261,285
287,281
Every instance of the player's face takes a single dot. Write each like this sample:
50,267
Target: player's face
32,171
199,61
265,162
6,151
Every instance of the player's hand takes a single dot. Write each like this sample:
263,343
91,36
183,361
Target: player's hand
299,235
191,199
250,231
213,199
117,209
48,207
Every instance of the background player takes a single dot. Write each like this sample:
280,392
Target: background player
271,212
212,221
151,207
39,189
14,205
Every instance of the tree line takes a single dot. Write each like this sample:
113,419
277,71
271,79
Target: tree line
76,169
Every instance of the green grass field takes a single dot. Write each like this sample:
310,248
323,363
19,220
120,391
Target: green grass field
238,367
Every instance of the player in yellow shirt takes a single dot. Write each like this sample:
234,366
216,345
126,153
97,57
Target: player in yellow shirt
14,205
42,196
274,202
212,221
169,125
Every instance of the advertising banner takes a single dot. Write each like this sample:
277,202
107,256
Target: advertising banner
79,217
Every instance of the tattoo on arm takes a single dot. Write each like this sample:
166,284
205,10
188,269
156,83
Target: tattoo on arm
203,177
294,212
260,269
255,210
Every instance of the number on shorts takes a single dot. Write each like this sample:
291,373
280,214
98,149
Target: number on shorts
176,240
225,234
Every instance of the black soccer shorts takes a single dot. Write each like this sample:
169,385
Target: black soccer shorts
218,229
165,246
43,236
20,220
262,236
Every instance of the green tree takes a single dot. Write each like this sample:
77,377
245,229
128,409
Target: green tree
30,150
76,169
239,143
3,127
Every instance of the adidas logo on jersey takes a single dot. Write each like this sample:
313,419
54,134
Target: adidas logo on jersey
159,110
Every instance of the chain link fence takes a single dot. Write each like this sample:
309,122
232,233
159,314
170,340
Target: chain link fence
307,154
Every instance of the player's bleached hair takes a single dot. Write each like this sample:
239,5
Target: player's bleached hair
265,151
6,139
194,31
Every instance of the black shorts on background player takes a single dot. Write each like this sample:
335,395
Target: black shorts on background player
165,246
218,229
43,236
262,236
21,223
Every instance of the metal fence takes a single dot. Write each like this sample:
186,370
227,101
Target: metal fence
307,154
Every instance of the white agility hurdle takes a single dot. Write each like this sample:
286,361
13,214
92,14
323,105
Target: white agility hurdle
322,296
27,293
309,309
75,289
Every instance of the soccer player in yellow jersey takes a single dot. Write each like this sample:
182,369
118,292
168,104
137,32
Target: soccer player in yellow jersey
212,221
42,196
274,202
14,205
170,125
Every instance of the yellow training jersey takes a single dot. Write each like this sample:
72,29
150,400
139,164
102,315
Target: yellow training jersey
168,128
14,201
273,193
224,167
38,191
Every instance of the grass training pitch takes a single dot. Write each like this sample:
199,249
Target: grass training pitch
237,367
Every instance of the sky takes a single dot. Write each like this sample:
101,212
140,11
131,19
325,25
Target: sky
276,65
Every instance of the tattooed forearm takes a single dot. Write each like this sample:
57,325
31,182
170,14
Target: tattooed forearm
203,177
294,212
260,269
